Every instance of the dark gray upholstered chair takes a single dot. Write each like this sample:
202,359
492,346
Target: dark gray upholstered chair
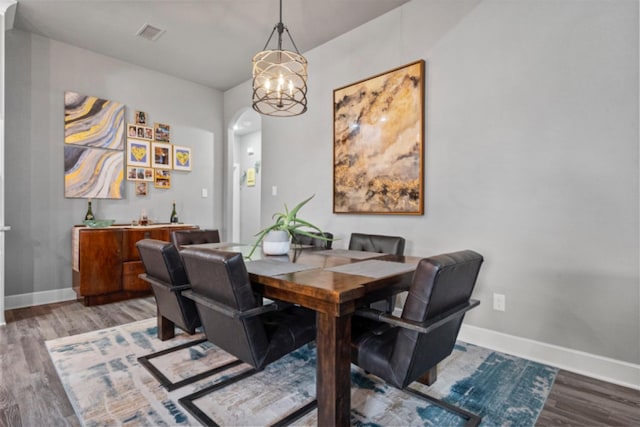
393,245
377,243
168,279
301,239
194,237
234,320
406,349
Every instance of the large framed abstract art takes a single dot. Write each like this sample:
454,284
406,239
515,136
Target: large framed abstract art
94,131
378,144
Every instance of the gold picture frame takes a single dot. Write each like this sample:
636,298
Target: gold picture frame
162,179
141,189
161,155
182,158
139,132
139,174
140,117
138,153
378,143
162,132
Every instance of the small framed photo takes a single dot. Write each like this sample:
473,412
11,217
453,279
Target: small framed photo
141,117
141,188
251,177
139,174
132,131
148,133
138,153
162,178
181,158
162,155
162,132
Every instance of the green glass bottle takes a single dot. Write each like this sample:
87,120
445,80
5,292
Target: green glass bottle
89,215
174,214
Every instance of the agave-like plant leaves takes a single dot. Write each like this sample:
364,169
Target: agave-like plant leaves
289,222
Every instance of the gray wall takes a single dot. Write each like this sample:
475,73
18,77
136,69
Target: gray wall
39,70
531,156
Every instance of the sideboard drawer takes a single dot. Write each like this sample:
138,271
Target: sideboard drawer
130,279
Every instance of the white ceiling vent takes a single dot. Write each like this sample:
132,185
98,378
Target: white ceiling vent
150,32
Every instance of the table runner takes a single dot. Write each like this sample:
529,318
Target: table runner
373,268
267,267
345,253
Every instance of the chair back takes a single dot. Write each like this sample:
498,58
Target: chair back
180,238
440,283
162,263
393,245
222,277
316,242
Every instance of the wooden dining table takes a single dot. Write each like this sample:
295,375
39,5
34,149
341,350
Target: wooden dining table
333,283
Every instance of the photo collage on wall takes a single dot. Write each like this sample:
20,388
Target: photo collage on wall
94,150
151,156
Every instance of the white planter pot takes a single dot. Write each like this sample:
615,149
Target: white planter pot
276,243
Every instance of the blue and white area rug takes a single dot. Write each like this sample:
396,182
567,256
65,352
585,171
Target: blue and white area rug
107,386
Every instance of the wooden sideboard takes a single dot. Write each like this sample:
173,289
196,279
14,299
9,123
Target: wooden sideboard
106,263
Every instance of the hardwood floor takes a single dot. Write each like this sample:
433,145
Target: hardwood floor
576,400
31,393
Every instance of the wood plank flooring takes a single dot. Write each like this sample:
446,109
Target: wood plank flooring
31,393
576,400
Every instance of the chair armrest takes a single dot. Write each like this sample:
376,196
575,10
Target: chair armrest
228,311
144,277
279,305
422,327
151,280
258,310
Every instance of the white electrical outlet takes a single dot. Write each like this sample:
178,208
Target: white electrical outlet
274,191
499,302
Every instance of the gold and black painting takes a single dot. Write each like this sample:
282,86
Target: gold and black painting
379,143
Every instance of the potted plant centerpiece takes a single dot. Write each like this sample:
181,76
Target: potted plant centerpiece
276,238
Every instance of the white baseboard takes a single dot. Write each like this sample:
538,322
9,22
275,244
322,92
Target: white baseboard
38,298
591,365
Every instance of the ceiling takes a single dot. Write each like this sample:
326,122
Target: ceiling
210,42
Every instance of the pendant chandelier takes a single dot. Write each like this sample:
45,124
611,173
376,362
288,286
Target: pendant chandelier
279,78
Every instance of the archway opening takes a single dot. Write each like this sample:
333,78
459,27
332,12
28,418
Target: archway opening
245,145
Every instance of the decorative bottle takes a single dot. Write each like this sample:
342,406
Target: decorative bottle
144,219
174,214
89,215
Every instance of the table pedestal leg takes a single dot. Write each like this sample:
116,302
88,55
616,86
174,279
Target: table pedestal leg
333,384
